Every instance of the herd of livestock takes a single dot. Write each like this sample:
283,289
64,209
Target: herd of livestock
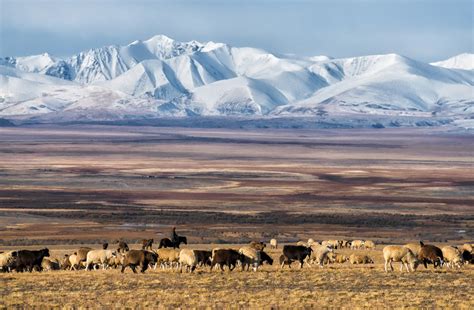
168,255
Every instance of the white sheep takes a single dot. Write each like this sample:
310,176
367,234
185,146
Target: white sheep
369,244
99,257
252,257
452,256
49,264
167,257
320,254
402,254
357,244
414,247
360,259
188,258
273,243
7,260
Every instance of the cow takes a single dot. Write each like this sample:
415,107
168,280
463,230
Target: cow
27,260
266,258
293,253
203,257
227,257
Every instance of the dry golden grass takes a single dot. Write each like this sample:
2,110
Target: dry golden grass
333,286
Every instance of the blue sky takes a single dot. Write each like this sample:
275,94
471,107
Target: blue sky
426,30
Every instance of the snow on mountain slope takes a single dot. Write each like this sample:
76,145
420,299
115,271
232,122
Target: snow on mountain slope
32,94
462,61
388,85
105,63
237,96
35,63
164,77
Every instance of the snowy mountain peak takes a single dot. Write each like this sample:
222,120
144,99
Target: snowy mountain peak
464,61
161,76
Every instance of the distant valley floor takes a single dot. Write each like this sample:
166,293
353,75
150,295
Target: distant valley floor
88,183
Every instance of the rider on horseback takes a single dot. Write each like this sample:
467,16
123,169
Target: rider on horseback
174,236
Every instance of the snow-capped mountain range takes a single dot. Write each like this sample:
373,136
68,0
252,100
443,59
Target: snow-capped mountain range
161,77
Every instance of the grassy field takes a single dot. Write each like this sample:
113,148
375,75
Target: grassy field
65,186
337,285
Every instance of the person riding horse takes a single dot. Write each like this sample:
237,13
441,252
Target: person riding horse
174,236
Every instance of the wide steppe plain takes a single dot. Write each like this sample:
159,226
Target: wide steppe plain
64,186
86,184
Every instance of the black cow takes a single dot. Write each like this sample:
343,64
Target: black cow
293,253
27,260
167,243
227,257
467,256
264,257
203,257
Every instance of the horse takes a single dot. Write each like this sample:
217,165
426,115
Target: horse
167,243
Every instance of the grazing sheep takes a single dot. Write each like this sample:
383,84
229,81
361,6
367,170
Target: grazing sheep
414,247
402,254
340,259
356,259
65,264
452,256
74,261
81,256
117,261
333,243
320,253
259,246
168,257
49,264
345,244
251,257
369,245
430,254
188,258
99,257
7,260
357,244
273,243
142,258
311,242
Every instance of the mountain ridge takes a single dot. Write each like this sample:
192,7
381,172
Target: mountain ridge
163,77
